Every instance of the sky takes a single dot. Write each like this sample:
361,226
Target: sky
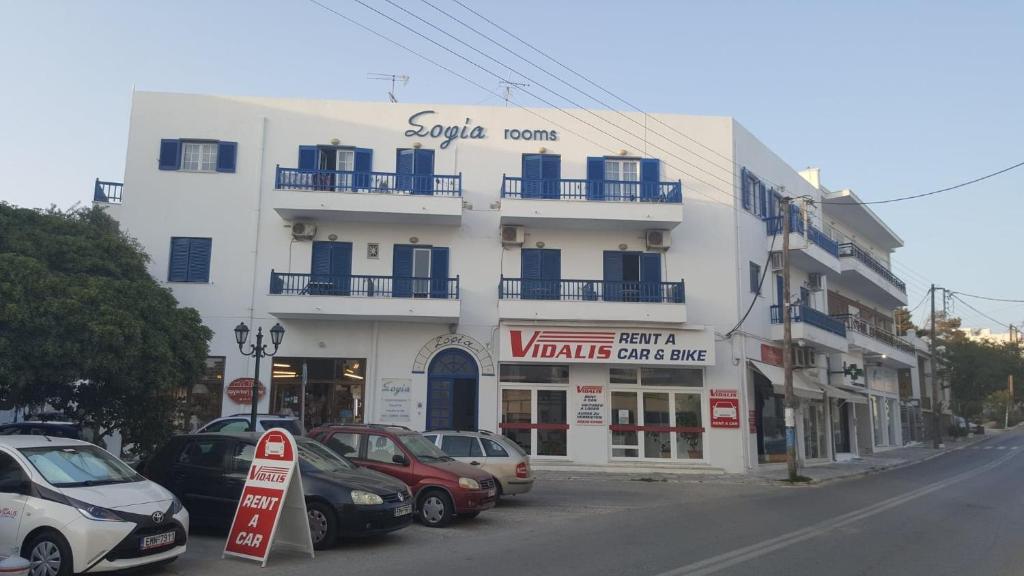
887,98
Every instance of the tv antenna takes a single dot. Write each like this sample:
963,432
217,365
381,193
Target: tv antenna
394,79
509,86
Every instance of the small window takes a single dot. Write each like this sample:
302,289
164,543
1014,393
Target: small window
190,260
693,377
242,459
345,443
623,375
493,449
203,453
381,449
755,278
199,156
460,446
535,373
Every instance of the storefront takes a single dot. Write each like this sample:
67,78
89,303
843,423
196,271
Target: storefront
321,390
769,414
201,402
883,388
607,395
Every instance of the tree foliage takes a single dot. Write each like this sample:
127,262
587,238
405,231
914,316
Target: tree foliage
86,329
978,372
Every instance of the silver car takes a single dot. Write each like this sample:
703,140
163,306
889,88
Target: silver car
495,454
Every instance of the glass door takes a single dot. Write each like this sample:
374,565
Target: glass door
421,272
625,443
669,425
345,163
536,419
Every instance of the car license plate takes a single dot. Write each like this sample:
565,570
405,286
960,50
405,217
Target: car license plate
157,540
492,492
403,510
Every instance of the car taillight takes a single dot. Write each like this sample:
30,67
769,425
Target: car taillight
522,470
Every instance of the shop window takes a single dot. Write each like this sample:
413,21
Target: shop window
535,373
689,438
624,375
624,441
516,409
334,389
669,425
551,409
656,376
657,443
201,402
536,420
814,431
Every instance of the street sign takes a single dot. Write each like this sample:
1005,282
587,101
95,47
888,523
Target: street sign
725,408
272,508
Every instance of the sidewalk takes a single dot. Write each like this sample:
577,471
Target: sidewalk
775,474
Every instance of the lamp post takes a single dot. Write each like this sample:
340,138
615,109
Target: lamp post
257,351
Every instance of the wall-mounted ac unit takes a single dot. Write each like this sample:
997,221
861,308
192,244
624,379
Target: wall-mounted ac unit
513,235
804,357
303,230
777,261
814,282
658,239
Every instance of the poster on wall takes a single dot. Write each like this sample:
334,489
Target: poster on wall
725,408
590,402
608,346
395,400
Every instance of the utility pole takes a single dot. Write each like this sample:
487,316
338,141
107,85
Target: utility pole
787,345
936,402
1009,400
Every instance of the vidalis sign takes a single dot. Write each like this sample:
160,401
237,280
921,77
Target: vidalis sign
272,508
608,346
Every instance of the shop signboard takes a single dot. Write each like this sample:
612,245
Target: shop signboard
396,398
272,506
608,346
590,402
725,408
240,390
771,355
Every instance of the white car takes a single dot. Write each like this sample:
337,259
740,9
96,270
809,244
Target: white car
723,410
264,422
69,507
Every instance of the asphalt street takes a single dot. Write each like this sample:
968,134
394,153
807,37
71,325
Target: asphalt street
959,513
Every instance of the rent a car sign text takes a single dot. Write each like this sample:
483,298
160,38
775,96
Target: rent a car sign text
619,346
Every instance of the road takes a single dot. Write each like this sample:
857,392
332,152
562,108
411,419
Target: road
959,513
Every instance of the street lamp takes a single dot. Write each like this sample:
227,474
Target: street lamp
257,351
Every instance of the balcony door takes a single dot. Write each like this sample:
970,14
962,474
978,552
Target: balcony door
342,161
420,272
632,276
542,274
331,269
414,169
542,174
618,172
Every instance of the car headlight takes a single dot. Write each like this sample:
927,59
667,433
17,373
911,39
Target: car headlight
365,498
176,505
93,512
469,484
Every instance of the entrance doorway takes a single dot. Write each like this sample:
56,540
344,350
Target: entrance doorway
453,381
841,426
771,423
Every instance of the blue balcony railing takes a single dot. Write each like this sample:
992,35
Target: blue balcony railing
109,192
807,315
861,326
796,226
368,286
821,239
851,250
591,290
368,182
595,190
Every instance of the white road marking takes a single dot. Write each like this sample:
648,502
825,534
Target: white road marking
1000,447
747,553
988,447
1014,447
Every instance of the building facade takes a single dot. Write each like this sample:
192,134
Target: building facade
476,267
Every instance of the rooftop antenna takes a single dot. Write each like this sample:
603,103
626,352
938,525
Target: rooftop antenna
394,78
509,86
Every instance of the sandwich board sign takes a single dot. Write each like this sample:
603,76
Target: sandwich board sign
272,509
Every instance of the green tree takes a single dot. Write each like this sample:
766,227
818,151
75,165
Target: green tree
978,373
86,329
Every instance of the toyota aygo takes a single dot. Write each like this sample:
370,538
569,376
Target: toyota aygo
69,507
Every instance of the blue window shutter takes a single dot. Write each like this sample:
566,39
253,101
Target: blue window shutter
307,157
177,269
199,259
532,174
762,198
551,272
438,272
401,271
551,174
770,194
595,178
363,166
226,153
424,161
341,267
779,294
423,181
650,177
650,277
403,166
533,274
321,264
170,154
612,276
747,185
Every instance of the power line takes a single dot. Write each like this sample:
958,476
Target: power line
989,298
760,284
964,302
840,202
912,310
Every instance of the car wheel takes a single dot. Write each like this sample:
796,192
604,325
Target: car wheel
436,509
48,554
323,525
499,491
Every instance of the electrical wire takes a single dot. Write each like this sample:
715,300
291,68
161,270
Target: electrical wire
914,309
840,202
989,298
964,302
760,285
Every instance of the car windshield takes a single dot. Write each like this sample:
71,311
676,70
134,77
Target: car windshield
422,448
288,424
319,458
69,466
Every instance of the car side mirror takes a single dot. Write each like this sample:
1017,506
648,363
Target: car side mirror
16,486
400,459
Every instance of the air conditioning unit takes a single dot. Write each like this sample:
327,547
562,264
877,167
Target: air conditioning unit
513,235
814,282
804,357
303,230
777,261
658,239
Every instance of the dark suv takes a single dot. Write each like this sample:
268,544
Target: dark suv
442,487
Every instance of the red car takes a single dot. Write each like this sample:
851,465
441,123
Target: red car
442,487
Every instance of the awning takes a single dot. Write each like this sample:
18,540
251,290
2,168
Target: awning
801,386
844,394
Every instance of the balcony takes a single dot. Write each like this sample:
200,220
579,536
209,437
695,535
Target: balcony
869,339
810,249
107,192
811,326
610,204
347,196
408,299
863,273
592,300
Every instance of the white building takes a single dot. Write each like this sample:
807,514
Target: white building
466,266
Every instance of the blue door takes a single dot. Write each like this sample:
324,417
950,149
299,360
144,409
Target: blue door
331,269
542,274
452,391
